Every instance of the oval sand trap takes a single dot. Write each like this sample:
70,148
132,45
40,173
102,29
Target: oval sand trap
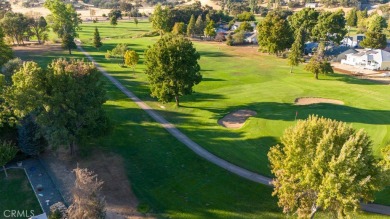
316,100
236,119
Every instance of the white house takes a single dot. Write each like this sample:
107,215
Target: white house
311,5
353,41
251,38
369,59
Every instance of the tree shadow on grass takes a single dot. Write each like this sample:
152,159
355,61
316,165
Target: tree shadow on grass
349,79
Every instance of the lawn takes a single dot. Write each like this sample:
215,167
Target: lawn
170,178
236,78
17,194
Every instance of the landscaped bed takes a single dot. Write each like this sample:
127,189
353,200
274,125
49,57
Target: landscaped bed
16,194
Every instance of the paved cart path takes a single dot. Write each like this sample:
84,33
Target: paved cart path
381,209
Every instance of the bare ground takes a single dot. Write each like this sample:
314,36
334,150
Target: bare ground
236,119
121,203
316,100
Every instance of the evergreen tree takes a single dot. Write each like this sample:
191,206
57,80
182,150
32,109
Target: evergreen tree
7,153
97,42
209,30
296,52
199,25
68,42
30,139
318,64
191,26
136,21
179,28
352,18
161,19
374,40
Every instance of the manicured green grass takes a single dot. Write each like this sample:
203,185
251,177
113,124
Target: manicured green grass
235,80
164,174
17,194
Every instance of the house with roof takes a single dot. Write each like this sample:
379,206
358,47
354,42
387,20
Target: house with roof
311,5
251,37
376,59
353,41
236,25
310,47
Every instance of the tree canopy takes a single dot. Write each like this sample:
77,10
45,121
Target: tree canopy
66,99
7,153
274,34
5,50
323,164
161,19
330,27
97,41
172,68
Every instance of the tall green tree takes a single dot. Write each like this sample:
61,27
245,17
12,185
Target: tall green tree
39,27
16,26
323,164
352,18
209,30
64,21
330,27
5,50
97,41
199,25
114,21
68,42
374,40
66,99
30,140
191,26
161,19
114,15
274,34
296,52
172,68
376,23
318,63
7,153
306,19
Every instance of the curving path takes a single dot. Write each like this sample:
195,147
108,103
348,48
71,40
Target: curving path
381,209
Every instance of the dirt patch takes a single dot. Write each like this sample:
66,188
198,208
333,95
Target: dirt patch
121,203
236,119
316,100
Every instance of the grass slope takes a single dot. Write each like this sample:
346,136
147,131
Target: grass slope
17,194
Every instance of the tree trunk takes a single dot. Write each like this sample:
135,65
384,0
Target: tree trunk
316,75
72,148
177,100
5,171
313,212
70,51
291,69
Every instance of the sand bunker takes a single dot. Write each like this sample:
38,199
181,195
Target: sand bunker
316,100
236,119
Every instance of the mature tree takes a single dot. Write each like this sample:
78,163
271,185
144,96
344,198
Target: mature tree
126,7
161,19
245,26
352,18
274,34
114,15
318,63
199,25
172,68
15,26
179,28
306,19
68,42
246,16
97,41
66,99
64,21
209,30
239,37
30,140
330,27
374,40
9,69
376,23
7,153
362,21
5,7
229,39
87,199
296,53
5,50
323,164
191,26
131,59
117,53
38,26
